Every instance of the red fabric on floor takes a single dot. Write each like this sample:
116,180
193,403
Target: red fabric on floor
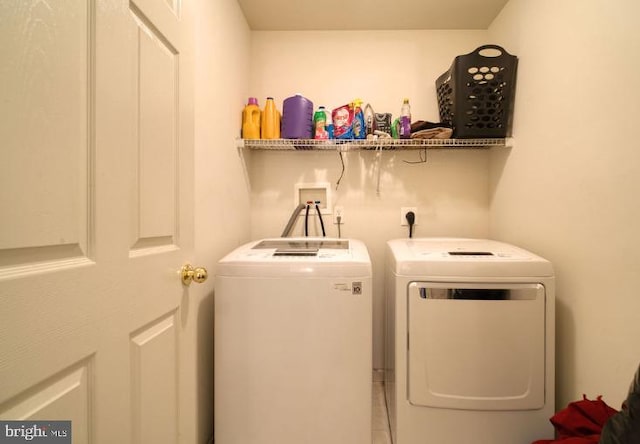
573,440
580,422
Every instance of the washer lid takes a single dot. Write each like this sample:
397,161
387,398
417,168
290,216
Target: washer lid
304,256
303,247
451,257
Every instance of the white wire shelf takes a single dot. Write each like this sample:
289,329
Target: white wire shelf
384,144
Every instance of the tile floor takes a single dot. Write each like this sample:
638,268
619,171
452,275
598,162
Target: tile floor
380,421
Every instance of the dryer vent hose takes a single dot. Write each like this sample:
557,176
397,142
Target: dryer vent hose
292,221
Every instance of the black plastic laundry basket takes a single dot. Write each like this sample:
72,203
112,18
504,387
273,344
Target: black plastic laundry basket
476,95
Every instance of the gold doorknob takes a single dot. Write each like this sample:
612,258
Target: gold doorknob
190,273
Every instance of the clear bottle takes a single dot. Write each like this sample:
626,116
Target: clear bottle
405,120
251,116
270,127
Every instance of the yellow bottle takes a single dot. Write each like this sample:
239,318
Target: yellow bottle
270,127
251,120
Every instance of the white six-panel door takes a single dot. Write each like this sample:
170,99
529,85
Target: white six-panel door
95,215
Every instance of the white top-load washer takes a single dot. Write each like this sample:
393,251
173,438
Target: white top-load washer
293,343
469,349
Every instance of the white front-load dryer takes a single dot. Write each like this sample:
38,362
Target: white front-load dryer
293,343
469,342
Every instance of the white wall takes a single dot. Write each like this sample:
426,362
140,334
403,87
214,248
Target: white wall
221,191
332,68
569,188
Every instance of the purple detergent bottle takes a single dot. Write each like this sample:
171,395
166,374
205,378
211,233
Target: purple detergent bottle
297,118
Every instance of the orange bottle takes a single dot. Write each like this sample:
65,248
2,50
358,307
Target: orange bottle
270,127
251,120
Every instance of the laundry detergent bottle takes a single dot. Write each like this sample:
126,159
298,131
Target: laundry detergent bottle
320,124
270,125
297,118
359,128
251,117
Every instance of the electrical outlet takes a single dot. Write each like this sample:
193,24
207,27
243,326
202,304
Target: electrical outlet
403,215
338,210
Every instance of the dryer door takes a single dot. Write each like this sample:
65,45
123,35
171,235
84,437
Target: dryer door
477,346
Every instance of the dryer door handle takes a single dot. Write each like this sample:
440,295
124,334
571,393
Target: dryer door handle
527,292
